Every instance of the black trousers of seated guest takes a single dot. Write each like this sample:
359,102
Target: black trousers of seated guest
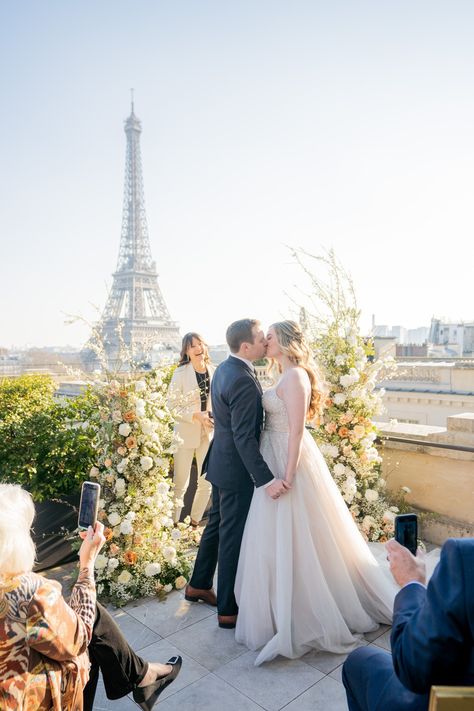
122,669
220,545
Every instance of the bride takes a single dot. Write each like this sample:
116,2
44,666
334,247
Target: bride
306,578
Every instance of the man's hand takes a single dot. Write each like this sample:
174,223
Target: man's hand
404,567
277,488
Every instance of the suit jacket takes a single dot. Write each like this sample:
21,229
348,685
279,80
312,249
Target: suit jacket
433,629
234,461
184,395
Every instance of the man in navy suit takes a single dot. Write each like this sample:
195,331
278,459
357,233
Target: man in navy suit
234,466
432,634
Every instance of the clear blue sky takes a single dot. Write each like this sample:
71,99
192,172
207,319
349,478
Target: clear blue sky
265,123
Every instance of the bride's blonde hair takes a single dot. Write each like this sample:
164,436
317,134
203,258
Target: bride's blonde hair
294,345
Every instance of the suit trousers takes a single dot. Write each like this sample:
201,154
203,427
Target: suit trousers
122,669
372,685
220,545
183,460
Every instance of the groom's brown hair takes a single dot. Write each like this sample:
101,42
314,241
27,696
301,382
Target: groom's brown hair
240,332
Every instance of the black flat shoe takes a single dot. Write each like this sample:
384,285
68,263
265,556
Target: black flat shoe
147,696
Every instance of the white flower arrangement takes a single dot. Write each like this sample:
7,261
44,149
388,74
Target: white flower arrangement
144,554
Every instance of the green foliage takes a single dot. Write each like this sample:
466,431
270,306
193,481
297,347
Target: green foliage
45,444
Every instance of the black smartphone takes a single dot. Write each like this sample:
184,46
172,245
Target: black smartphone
406,531
89,505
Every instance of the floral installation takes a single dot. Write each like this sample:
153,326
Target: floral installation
345,430
144,553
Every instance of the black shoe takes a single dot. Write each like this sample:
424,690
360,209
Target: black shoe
147,696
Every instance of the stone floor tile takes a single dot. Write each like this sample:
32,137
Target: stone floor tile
273,684
337,674
206,642
384,640
102,703
326,662
170,615
327,695
371,636
136,634
190,672
209,694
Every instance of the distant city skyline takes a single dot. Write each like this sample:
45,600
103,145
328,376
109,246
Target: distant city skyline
265,126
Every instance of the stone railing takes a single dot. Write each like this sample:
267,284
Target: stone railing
437,464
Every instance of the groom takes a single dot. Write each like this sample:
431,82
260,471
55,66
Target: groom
234,467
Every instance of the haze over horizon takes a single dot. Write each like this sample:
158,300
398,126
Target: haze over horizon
347,126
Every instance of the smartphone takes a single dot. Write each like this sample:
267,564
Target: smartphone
406,531
89,505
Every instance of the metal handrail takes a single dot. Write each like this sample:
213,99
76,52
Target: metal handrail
422,443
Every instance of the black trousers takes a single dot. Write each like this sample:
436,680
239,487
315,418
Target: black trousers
122,670
220,545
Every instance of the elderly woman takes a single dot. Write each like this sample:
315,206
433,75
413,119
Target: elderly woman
189,394
51,651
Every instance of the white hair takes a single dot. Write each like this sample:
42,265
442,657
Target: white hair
17,511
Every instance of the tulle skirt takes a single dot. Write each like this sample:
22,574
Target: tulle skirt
306,578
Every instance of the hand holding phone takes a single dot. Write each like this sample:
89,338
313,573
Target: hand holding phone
406,531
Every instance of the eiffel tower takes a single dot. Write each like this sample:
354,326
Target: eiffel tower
135,308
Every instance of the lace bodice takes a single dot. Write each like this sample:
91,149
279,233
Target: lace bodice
276,418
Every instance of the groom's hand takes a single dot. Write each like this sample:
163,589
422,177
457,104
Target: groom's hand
277,488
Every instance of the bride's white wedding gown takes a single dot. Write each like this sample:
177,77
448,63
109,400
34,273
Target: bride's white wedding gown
306,577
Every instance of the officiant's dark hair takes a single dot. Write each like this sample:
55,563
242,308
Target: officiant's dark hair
240,332
187,343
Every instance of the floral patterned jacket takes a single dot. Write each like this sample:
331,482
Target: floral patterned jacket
44,664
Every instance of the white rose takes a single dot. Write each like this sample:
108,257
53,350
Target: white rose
163,487
368,523
346,381
120,485
113,563
371,495
339,399
340,359
124,577
140,407
125,429
114,518
175,534
101,561
146,463
126,527
167,588
330,450
339,469
169,553
140,385
152,569
131,515
406,489
116,416
388,517
94,472
180,582
122,465
147,426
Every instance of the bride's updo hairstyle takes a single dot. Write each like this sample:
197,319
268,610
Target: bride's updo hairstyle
294,345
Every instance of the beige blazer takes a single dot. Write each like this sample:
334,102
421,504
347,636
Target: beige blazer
184,396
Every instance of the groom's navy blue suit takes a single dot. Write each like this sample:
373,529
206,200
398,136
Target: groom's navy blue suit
432,640
234,466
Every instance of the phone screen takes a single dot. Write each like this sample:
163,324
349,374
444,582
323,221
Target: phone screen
89,504
406,531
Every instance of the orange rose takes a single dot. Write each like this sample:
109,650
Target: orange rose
331,427
122,451
343,432
130,557
108,533
114,548
138,539
131,442
108,463
123,393
129,416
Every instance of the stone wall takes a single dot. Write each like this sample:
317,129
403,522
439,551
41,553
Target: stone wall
441,480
